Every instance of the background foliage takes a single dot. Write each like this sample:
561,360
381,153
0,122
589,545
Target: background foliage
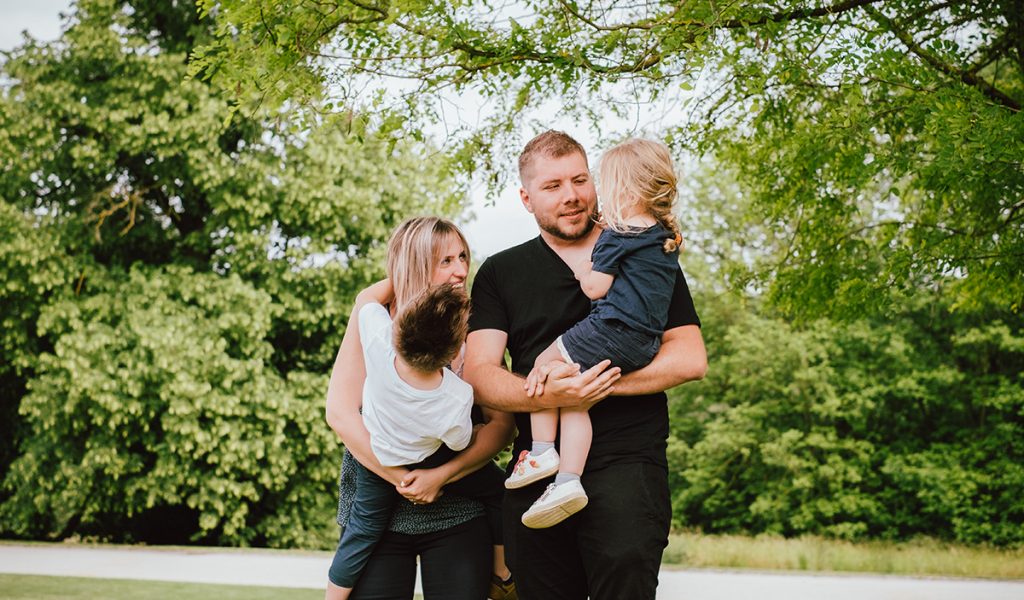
890,429
175,283
902,423
883,141
178,254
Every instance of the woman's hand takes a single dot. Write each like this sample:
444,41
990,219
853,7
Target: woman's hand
422,486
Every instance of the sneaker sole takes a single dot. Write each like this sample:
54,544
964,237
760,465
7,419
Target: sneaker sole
527,480
554,515
499,593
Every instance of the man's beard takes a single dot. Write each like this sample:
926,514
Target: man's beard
584,229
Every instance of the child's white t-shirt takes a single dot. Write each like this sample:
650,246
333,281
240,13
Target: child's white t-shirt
406,424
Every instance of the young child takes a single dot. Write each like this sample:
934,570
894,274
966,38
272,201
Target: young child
630,278
416,410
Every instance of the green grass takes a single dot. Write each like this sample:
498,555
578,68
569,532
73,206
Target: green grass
923,557
45,587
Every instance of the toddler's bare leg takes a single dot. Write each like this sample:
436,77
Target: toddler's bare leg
575,441
544,425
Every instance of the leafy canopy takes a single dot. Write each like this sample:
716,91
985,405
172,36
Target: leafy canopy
882,142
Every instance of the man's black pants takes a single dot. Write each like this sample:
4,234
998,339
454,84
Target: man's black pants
611,550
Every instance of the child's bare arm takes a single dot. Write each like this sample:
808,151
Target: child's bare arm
549,354
593,283
381,292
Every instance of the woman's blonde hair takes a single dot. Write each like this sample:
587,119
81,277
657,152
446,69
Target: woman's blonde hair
639,173
415,250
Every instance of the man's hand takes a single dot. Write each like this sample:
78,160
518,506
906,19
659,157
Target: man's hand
422,486
564,385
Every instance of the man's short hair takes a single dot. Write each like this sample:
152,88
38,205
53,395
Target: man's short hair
430,330
550,144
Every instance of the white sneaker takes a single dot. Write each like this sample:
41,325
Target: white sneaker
530,468
557,503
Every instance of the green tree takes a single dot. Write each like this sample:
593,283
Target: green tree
882,140
176,280
892,429
31,269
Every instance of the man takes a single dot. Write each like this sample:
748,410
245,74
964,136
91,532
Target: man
523,298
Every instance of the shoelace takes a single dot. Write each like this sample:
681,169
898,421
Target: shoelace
520,467
547,492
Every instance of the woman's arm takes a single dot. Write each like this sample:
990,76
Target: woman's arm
424,485
495,435
345,396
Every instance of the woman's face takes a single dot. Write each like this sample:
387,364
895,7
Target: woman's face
453,266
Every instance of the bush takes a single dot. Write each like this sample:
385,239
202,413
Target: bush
157,403
866,429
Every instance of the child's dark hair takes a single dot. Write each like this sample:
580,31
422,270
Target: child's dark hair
429,331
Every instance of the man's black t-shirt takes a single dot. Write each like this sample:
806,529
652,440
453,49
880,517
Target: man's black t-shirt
530,293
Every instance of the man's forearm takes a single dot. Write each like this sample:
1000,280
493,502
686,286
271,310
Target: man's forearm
682,358
498,389
566,387
495,387
643,381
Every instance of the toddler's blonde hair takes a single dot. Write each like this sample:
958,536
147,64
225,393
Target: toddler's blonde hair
639,173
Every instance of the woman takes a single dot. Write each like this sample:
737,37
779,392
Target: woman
450,536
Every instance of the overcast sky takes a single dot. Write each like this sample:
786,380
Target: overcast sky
40,17
496,227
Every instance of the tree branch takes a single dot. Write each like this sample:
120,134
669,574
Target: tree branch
643,25
794,15
923,12
643,63
1012,213
270,32
935,62
370,7
991,53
